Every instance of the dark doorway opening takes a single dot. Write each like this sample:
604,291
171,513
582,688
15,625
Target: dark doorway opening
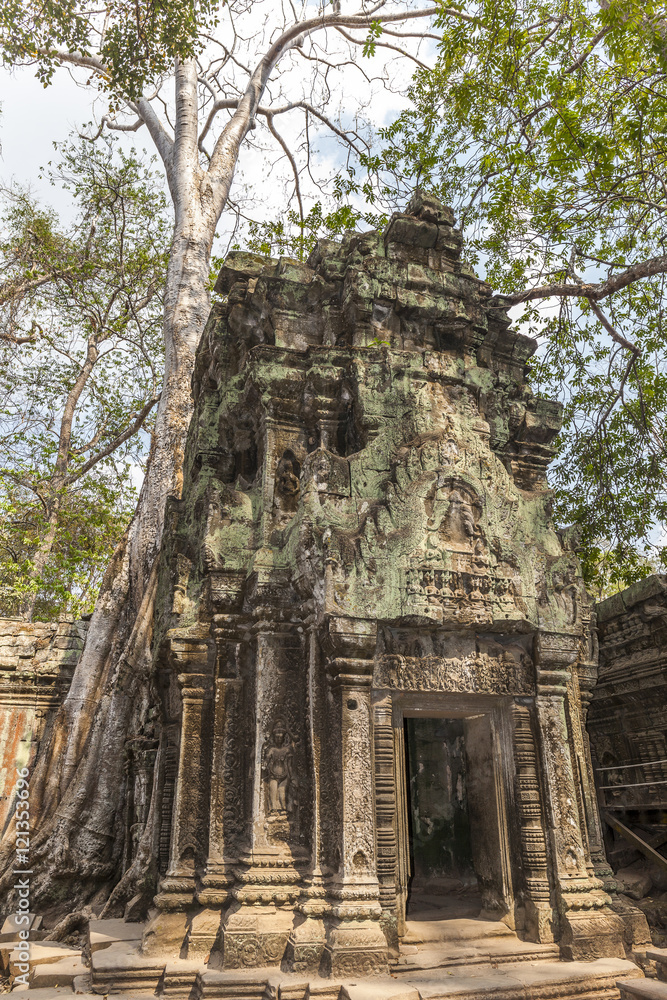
443,882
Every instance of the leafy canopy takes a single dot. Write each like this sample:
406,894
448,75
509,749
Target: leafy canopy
545,125
80,326
136,41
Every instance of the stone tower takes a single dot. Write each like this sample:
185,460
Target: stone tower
364,538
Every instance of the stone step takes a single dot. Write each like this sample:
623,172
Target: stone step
180,978
422,931
62,973
103,933
659,956
642,989
44,953
522,981
10,928
120,968
471,953
48,993
58,992
258,984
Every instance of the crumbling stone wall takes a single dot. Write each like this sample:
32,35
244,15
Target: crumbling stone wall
627,722
37,661
627,714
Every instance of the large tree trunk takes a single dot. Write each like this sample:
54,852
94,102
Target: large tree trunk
77,786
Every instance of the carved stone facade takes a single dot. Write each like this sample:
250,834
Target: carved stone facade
364,537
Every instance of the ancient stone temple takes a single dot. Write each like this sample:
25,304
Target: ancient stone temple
373,647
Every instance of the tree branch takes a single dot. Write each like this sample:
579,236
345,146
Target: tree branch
163,142
613,333
383,45
76,59
11,290
279,139
226,149
116,443
593,292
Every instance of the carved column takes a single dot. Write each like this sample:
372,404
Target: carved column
589,928
178,887
356,944
385,814
584,679
191,799
539,913
637,934
256,929
141,752
307,940
226,810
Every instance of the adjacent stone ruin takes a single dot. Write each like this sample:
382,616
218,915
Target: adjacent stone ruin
364,546
37,661
627,722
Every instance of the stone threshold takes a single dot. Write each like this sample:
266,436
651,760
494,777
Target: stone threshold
599,980
119,970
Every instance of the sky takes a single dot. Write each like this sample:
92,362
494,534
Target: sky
32,118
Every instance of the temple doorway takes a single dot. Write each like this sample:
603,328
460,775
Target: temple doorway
442,882
452,774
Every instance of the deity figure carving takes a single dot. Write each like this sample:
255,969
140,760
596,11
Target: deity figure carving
287,475
459,520
278,759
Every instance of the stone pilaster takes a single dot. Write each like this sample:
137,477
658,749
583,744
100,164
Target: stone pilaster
584,679
257,927
226,808
177,889
166,932
356,944
385,813
588,927
308,938
537,899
